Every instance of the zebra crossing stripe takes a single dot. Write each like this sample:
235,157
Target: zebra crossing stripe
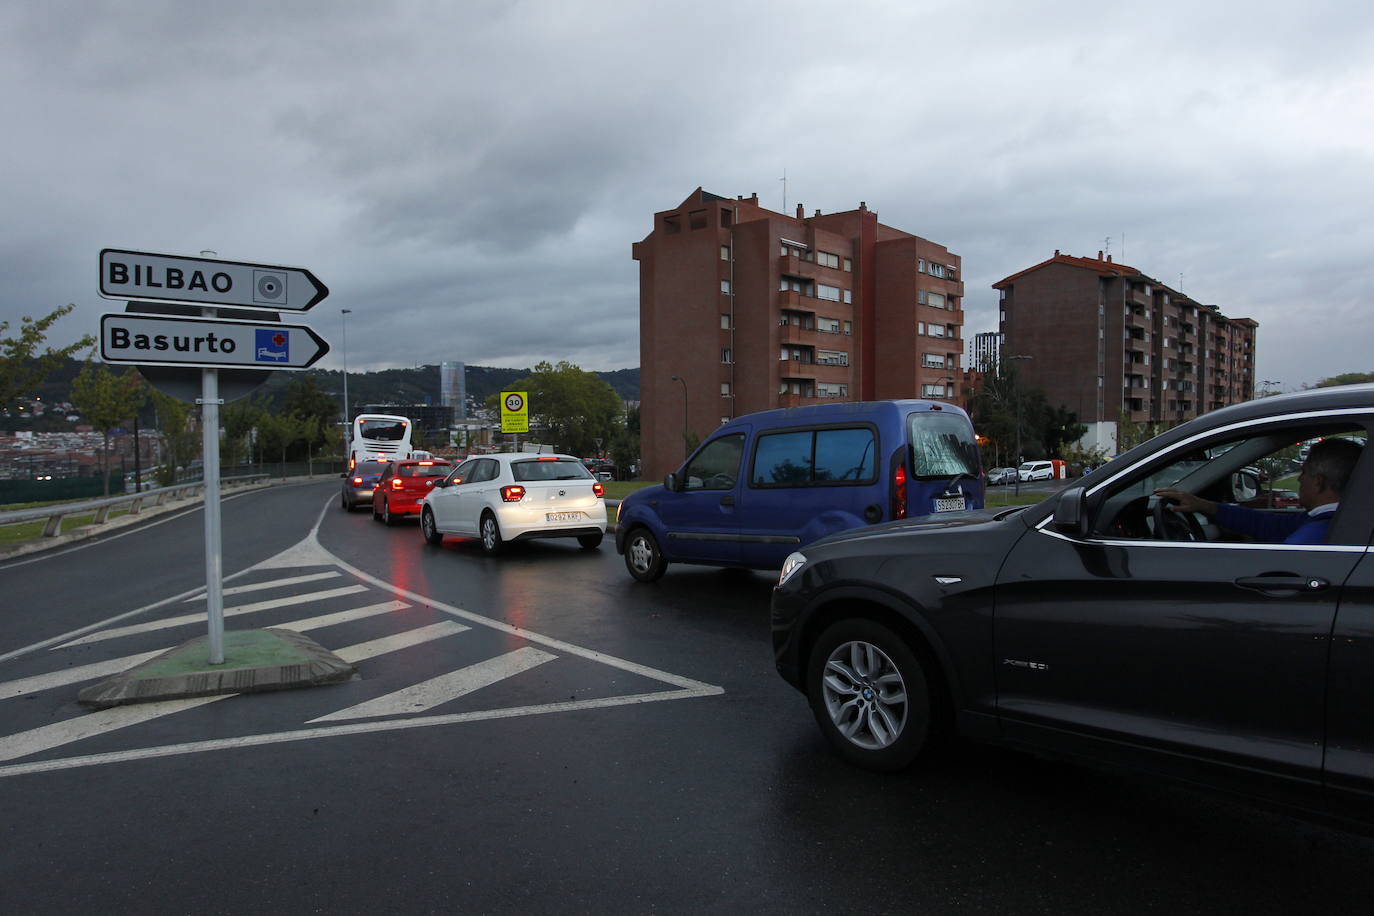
272,583
436,691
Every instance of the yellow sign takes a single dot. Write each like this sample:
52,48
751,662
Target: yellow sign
515,412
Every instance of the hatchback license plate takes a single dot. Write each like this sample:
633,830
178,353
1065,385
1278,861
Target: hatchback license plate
562,516
949,504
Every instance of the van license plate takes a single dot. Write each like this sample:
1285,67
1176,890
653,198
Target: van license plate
949,504
562,516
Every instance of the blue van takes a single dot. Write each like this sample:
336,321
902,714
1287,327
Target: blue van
767,483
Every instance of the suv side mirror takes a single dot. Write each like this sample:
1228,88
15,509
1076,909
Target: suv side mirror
670,482
1071,512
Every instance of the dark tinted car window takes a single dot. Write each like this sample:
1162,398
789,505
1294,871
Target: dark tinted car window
383,430
943,444
368,468
810,457
716,466
562,469
423,470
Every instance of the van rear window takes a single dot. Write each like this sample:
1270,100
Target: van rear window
814,458
942,444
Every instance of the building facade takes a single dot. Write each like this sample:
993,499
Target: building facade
985,350
1108,342
453,389
744,309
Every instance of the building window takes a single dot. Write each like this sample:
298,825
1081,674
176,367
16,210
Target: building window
832,390
936,270
794,251
920,297
920,265
726,356
932,361
672,225
847,296
826,259
726,218
829,293
725,252
935,300
828,325
832,357
725,322
725,389
849,265
921,328
698,219
848,328
933,391
802,286
725,287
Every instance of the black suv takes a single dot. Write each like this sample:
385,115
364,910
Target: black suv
1103,625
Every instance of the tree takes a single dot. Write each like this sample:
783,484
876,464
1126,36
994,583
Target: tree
625,444
180,429
106,400
573,408
19,367
1346,378
239,419
305,400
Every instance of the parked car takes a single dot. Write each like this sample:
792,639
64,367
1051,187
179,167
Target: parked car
1100,624
1036,470
765,483
999,476
514,497
403,486
359,483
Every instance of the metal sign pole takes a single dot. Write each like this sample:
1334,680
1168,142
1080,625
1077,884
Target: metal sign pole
214,567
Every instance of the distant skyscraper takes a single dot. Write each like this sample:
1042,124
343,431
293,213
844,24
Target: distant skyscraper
453,389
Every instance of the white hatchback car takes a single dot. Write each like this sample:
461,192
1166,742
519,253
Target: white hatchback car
515,497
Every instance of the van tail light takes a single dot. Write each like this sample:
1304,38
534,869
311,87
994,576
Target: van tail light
512,494
899,492
598,489
395,483
357,481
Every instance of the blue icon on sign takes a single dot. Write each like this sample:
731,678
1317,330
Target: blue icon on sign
271,346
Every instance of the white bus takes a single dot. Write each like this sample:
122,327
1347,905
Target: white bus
379,435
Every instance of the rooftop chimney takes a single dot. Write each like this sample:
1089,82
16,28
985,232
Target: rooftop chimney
1056,252
818,213
863,205
801,212
1099,255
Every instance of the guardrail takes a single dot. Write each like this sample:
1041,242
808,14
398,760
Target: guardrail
135,502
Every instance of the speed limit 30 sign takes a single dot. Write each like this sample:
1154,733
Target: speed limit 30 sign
515,412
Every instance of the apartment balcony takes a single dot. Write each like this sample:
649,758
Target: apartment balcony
797,335
794,301
1138,297
794,266
1133,320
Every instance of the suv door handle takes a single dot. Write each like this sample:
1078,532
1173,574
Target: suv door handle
1282,582
727,500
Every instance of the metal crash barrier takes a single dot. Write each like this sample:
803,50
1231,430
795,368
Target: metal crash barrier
135,503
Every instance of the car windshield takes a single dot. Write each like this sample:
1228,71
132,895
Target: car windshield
382,430
536,469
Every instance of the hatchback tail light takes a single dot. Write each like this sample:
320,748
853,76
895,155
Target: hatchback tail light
598,489
395,483
512,494
899,492
357,481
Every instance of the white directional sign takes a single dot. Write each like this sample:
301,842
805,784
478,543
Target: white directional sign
211,343
206,281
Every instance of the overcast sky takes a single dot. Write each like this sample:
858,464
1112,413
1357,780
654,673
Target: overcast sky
468,177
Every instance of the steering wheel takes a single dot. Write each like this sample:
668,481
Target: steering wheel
1176,526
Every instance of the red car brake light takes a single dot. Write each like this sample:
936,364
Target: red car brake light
357,481
512,494
396,483
598,489
899,493
546,458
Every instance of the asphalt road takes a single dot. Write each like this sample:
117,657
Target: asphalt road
538,733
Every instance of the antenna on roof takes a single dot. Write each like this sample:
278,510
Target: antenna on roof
1107,245
783,179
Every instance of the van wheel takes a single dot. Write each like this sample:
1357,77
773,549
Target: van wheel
643,558
428,528
870,695
491,535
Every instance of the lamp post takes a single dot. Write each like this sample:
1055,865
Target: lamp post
1016,396
678,378
348,421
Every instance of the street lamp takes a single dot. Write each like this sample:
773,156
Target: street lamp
679,379
1016,395
348,421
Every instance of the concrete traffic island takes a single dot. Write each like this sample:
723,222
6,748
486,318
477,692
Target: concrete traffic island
254,661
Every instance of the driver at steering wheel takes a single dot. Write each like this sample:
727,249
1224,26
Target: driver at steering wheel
1321,482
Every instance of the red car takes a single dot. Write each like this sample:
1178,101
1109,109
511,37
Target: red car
403,487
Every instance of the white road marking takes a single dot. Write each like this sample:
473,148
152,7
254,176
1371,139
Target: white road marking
273,583
375,647
439,690
57,734
95,723
184,619
329,620
74,675
358,728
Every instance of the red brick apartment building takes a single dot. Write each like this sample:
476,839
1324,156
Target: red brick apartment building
1104,338
751,310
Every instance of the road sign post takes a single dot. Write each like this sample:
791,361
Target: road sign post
210,343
